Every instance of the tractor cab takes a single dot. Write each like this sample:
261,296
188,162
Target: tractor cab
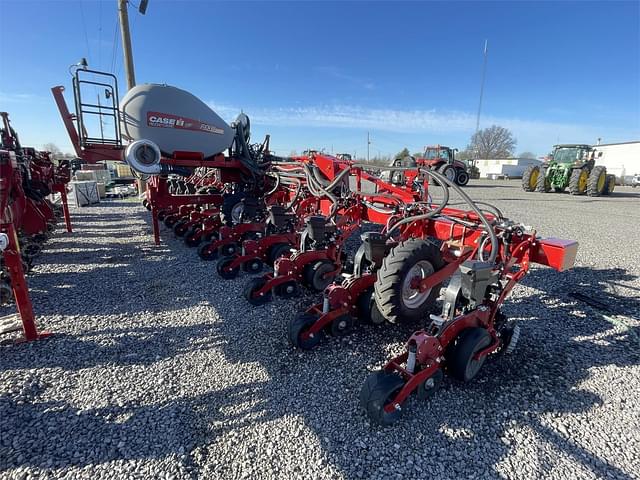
573,154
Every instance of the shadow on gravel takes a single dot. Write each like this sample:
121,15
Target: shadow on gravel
464,430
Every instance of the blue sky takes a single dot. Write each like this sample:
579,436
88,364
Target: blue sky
322,74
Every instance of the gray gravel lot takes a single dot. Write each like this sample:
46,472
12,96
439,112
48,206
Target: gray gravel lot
159,369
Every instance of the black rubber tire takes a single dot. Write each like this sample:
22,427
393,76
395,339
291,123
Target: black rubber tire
253,286
526,178
610,186
460,362
161,215
395,266
313,275
226,274
205,253
190,238
229,249
171,220
342,325
574,182
448,171
593,189
180,228
229,203
278,250
430,386
297,325
376,392
542,186
253,266
288,289
368,310
462,177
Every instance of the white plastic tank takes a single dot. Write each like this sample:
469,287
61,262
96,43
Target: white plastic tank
173,119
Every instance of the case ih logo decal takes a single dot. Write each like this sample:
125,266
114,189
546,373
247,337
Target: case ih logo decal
166,120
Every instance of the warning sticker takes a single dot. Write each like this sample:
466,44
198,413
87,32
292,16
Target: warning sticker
167,120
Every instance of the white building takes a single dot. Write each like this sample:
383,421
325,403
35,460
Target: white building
509,167
621,159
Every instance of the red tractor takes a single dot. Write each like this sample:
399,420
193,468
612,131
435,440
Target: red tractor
443,160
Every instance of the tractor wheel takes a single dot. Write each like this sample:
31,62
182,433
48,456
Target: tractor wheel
462,177
597,181
578,181
314,274
368,309
297,326
377,392
278,250
448,171
192,237
288,289
223,272
396,299
542,183
530,178
460,362
206,252
254,265
252,287
610,185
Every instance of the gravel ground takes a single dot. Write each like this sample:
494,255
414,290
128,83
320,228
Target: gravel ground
159,369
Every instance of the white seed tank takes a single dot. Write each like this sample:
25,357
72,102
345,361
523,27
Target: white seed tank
173,119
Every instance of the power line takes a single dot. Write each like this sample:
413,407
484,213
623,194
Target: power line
84,26
99,34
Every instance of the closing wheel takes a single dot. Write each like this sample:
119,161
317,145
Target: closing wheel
298,325
171,220
254,265
6,294
278,250
180,228
315,275
223,271
341,326
162,215
229,249
207,252
430,386
288,289
378,391
396,293
252,287
368,310
460,362
530,178
192,237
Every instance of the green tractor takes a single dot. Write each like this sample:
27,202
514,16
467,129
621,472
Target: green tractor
572,167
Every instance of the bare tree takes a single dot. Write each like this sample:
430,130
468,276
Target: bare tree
493,142
527,155
53,148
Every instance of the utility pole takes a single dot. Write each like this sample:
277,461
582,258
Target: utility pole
368,143
100,117
126,44
484,71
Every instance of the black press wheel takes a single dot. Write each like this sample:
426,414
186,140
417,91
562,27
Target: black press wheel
408,262
368,310
170,220
229,249
314,275
254,265
252,287
288,289
161,215
298,325
192,237
207,252
460,362
378,391
341,326
278,250
224,271
430,386
180,228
